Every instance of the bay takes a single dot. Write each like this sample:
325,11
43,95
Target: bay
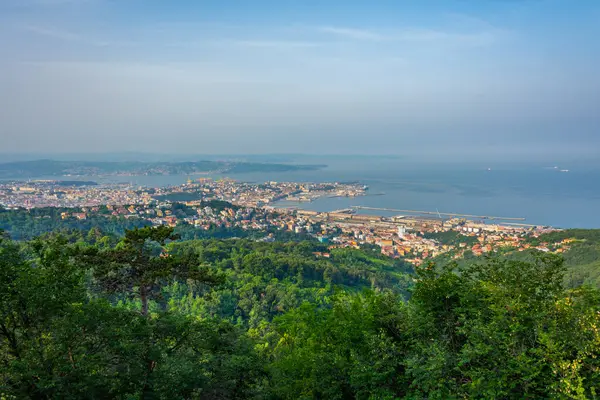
539,192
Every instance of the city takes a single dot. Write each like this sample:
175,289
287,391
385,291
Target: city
255,207
295,200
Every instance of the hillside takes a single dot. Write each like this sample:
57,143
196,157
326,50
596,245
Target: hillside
46,168
579,248
155,317
582,260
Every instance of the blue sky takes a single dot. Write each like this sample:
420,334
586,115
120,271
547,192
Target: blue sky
440,78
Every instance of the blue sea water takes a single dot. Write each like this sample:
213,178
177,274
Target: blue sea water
543,195
538,192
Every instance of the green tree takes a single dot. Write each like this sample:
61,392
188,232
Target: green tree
501,329
57,342
355,349
140,264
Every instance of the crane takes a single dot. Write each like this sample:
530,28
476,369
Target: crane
440,216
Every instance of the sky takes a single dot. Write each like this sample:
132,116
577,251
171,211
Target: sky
453,79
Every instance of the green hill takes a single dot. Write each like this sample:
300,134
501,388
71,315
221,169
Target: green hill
151,316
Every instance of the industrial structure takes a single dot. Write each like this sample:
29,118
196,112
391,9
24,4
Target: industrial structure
440,214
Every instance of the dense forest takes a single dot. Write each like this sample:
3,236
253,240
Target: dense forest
149,316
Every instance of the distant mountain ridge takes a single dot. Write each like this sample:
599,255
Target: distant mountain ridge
48,167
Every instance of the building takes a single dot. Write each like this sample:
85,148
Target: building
401,231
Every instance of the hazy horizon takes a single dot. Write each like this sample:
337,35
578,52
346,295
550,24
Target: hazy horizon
578,161
498,80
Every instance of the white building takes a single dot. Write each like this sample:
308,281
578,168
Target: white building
401,231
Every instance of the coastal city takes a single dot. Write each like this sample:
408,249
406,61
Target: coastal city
258,207
49,193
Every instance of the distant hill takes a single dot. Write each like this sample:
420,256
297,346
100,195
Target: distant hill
20,169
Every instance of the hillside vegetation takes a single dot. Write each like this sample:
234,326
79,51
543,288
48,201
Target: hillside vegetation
581,259
153,317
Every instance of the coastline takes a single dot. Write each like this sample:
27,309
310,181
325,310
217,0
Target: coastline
541,196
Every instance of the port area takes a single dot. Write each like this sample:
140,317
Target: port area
419,220
349,215
407,236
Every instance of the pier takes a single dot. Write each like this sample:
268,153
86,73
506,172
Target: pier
440,214
344,211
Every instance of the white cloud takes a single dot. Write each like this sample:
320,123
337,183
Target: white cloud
433,36
353,33
484,37
69,36
56,33
282,44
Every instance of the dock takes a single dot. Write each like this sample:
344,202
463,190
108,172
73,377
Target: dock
436,213
344,211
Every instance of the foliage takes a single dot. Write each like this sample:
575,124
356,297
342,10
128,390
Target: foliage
24,224
141,264
355,349
591,235
234,319
264,280
56,342
581,255
501,329
219,205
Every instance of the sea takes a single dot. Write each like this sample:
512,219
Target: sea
563,196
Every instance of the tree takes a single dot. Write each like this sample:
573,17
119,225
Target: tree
35,293
353,350
496,329
503,329
140,264
58,342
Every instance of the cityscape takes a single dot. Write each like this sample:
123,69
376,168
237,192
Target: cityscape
257,207
295,200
